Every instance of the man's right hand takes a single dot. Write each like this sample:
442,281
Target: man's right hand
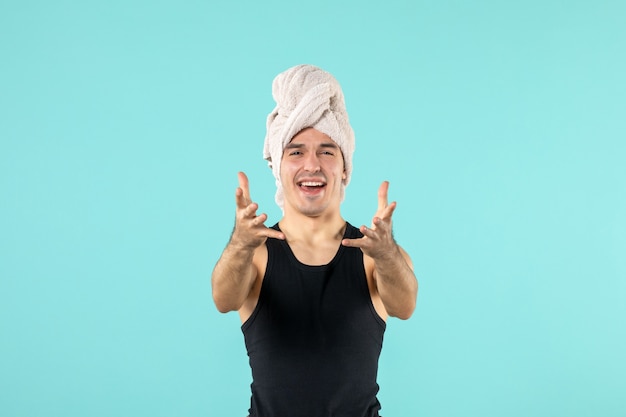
250,231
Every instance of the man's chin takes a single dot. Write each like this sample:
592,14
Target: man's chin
311,208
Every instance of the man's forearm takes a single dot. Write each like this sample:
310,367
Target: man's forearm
396,284
232,277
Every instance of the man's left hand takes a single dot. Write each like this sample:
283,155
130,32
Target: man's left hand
377,241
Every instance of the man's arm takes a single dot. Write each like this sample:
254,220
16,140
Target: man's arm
235,272
396,283
393,270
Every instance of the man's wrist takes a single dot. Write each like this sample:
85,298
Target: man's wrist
240,246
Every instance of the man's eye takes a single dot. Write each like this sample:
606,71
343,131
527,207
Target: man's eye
295,153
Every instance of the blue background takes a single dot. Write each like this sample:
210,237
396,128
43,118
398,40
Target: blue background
500,125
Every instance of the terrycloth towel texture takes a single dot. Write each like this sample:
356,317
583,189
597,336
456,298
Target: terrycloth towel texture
306,96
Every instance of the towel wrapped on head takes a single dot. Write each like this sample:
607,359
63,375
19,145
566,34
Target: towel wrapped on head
306,96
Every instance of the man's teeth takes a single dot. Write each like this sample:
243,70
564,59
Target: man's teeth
311,184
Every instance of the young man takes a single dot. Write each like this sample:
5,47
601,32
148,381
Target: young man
313,292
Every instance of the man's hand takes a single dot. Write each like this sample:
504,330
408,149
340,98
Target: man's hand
377,241
250,231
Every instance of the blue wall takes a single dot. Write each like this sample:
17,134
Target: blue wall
500,126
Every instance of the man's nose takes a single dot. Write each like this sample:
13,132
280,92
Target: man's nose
312,162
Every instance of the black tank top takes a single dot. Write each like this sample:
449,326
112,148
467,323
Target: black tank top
314,338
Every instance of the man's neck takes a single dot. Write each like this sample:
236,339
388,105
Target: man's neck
312,229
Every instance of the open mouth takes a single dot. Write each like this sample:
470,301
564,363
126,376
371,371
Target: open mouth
311,186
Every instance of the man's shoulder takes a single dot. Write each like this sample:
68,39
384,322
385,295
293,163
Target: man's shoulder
352,232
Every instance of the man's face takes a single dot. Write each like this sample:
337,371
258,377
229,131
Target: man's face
311,172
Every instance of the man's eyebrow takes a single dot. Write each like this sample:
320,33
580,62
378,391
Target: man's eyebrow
292,145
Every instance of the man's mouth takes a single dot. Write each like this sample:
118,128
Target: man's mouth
311,185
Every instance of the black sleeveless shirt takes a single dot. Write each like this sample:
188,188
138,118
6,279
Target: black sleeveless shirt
314,338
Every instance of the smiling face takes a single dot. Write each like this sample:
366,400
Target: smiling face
311,172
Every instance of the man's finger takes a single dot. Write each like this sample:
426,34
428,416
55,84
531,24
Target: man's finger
382,196
259,220
353,243
250,210
240,200
268,232
388,212
373,233
244,185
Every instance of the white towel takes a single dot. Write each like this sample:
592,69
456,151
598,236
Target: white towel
306,96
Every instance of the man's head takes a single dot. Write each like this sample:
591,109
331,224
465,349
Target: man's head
307,97
312,174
